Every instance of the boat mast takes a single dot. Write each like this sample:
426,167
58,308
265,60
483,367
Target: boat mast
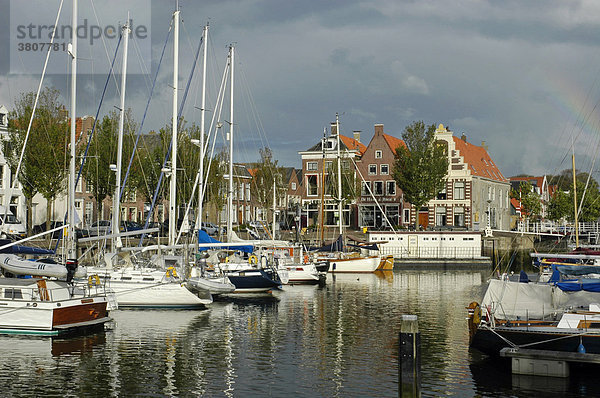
230,189
173,186
71,246
575,197
116,240
323,187
274,199
202,131
339,172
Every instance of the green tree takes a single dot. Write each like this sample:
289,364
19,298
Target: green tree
103,152
560,206
43,168
267,171
420,168
531,205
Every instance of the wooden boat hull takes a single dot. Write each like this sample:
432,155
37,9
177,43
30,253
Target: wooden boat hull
361,264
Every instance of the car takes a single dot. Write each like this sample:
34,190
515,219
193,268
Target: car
128,226
210,228
99,228
38,229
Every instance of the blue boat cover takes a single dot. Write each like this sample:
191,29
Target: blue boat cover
591,285
204,238
577,270
20,249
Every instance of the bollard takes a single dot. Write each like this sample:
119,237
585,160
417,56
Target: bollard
409,358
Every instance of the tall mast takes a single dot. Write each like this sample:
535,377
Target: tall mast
202,131
575,197
274,208
339,172
230,189
71,247
116,197
322,228
173,186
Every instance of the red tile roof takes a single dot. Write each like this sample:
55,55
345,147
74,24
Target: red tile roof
479,160
393,142
516,204
351,143
539,180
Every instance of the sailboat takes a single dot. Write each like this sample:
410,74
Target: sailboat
57,306
334,255
134,283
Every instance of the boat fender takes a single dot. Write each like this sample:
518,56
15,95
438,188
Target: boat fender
253,260
306,259
171,272
93,280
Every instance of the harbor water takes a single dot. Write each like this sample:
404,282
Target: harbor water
336,340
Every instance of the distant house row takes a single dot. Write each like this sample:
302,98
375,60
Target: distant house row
476,195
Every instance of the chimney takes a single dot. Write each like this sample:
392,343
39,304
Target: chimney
333,128
463,137
378,129
357,135
483,144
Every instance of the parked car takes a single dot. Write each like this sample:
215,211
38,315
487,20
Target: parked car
210,228
38,229
128,226
99,228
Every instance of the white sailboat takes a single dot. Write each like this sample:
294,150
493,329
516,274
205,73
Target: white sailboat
135,284
47,307
349,262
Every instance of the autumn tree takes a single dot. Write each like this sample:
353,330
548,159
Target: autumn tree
420,168
43,168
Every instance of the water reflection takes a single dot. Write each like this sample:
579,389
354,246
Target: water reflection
340,339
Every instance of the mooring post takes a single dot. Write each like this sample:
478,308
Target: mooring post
410,357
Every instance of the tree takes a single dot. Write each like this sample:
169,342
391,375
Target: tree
43,167
560,206
267,172
103,152
531,206
420,168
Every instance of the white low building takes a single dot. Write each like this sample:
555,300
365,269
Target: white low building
428,244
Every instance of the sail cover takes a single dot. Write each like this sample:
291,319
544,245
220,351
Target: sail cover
204,240
21,249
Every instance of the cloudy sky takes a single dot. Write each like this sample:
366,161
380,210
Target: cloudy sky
521,75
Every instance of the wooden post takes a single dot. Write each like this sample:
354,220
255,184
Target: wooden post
410,357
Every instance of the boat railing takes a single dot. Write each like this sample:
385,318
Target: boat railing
54,294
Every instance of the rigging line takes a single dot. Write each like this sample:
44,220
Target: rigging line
168,155
37,96
92,132
104,45
139,133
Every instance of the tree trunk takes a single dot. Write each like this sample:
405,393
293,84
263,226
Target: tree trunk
29,205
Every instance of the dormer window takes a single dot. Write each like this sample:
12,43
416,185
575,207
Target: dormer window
3,119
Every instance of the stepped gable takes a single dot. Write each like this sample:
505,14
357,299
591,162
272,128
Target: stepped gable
479,161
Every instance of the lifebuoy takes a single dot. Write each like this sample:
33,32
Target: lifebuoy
171,272
93,280
253,260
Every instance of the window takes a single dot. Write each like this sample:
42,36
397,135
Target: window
459,190
373,169
78,188
378,185
406,216
293,186
378,154
366,188
248,192
311,165
385,169
442,194
10,293
311,186
328,165
391,187
440,215
459,216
